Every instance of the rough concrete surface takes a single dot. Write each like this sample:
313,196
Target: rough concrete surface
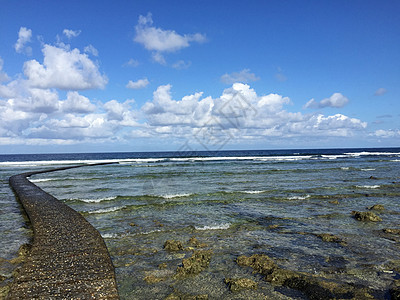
68,259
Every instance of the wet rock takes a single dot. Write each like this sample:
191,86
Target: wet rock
373,177
330,238
132,224
391,231
365,216
155,276
195,264
273,226
395,290
4,290
178,295
162,266
313,287
376,207
23,252
194,242
151,279
171,245
259,262
238,284
334,202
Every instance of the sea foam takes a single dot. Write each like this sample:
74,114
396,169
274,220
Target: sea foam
214,227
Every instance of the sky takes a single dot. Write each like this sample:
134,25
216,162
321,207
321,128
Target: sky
122,76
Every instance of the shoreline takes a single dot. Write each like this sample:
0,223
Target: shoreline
68,257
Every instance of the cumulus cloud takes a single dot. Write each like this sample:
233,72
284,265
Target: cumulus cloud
160,41
71,33
244,76
76,103
380,92
24,37
386,133
239,112
337,100
139,84
64,69
157,39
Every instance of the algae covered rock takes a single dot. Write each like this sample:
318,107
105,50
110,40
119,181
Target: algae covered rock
171,245
391,231
377,207
237,284
313,287
260,263
366,216
178,295
330,238
395,290
195,264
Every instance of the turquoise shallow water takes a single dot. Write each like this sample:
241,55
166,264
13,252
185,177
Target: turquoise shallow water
235,203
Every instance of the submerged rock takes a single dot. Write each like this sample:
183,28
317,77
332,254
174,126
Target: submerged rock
391,231
194,242
195,264
23,252
313,287
395,290
151,279
376,207
327,237
366,216
237,284
178,295
171,245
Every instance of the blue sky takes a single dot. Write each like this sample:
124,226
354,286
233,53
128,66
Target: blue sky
83,76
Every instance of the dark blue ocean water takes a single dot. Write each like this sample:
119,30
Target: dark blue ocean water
235,202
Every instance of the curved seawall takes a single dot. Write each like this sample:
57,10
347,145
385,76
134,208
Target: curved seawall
69,258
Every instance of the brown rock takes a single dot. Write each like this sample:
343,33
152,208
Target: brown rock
238,284
171,245
195,264
376,207
365,216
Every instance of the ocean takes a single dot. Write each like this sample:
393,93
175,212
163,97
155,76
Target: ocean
273,202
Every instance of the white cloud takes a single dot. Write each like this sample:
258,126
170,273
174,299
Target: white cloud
239,112
64,69
337,100
92,50
387,133
181,64
71,33
159,58
122,113
244,76
160,40
380,92
139,84
37,116
132,63
3,75
24,37
76,103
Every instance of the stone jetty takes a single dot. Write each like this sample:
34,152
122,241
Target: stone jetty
68,258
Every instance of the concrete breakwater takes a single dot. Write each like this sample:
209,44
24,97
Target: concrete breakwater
68,258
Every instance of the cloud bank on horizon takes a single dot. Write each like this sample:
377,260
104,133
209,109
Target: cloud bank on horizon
45,104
